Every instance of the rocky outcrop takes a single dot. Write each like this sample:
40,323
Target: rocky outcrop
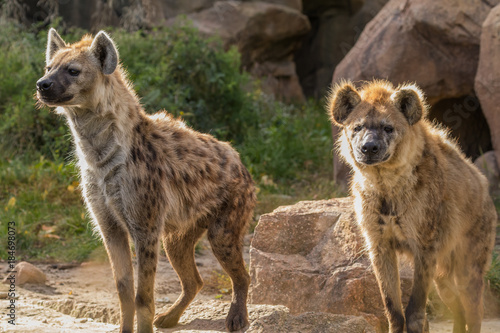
436,45
336,25
487,81
311,257
25,273
488,165
432,43
210,316
266,35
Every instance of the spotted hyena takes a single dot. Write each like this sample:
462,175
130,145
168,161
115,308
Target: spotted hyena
416,193
148,177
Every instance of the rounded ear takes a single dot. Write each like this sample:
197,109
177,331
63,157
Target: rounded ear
54,44
343,99
411,102
105,52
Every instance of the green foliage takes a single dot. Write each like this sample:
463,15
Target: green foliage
188,75
44,201
493,275
287,148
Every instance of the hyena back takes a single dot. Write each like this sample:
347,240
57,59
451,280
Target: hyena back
148,177
415,193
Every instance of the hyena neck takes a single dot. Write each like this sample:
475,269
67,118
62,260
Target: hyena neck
102,131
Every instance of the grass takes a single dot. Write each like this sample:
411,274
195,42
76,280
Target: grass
43,199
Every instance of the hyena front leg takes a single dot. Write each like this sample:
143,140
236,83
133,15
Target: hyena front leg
118,248
179,246
425,267
146,247
385,265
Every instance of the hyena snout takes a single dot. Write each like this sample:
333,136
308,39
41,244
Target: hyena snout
43,85
371,149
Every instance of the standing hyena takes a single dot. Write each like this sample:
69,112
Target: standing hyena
416,193
148,177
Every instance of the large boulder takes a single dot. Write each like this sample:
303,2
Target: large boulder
487,82
311,257
488,165
266,34
432,43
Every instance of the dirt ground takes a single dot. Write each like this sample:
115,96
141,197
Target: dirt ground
84,299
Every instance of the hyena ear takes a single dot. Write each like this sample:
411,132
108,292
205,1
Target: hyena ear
411,102
343,99
105,52
54,44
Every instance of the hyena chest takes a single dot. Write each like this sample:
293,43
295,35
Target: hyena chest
392,225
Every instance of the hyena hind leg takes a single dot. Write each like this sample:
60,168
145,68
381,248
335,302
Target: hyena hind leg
180,252
449,294
225,239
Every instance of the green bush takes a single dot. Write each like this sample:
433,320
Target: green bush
175,69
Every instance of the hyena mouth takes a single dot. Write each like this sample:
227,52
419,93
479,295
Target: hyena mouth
54,101
371,160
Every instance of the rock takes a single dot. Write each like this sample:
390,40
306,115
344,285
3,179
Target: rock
487,81
406,37
441,37
266,34
211,315
311,257
488,165
335,27
26,273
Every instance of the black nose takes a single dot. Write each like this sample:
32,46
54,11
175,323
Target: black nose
44,85
370,148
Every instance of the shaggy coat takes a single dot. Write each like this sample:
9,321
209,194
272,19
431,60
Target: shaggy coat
416,193
150,178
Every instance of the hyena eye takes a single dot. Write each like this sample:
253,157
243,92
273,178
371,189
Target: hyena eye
73,72
358,128
48,69
388,129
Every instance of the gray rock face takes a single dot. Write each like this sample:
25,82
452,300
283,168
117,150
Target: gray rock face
311,257
266,34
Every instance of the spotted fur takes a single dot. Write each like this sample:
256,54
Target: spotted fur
148,178
415,193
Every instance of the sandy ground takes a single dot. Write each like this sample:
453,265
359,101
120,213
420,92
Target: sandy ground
80,299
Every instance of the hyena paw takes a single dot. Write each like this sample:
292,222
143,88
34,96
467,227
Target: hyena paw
236,319
166,320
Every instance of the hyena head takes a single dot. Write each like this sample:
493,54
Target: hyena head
375,119
74,72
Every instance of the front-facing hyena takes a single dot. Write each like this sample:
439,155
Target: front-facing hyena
416,193
148,177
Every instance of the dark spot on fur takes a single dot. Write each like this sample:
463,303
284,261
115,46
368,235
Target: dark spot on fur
186,177
386,208
138,128
177,135
380,221
152,151
156,136
140,301
180,151
395,315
